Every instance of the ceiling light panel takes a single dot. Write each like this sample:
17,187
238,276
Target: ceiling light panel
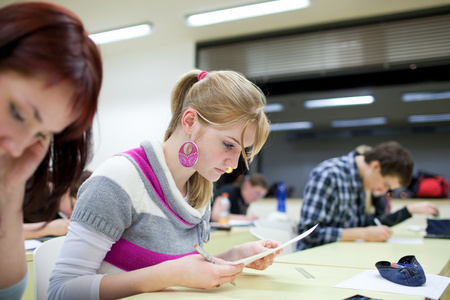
429,118
344,101
290,126
424,96
247,11
359,122
121,34
273,107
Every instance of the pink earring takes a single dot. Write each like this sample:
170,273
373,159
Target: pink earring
188,159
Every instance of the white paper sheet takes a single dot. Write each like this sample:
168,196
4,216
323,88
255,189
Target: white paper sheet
405,241
371,280
32,244
251,259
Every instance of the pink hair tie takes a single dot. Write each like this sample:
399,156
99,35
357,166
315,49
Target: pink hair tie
202,75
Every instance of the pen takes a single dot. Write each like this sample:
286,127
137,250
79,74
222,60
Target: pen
63,215
377,222
208,257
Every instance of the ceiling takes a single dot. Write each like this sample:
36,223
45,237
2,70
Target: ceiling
168,20
168,16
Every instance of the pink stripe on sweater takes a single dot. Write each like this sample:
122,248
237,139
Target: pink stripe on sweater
139,155
128,256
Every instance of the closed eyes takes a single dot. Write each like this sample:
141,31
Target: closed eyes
228,145
15,113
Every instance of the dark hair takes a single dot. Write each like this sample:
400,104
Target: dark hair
394,160
256,179
39,37
75,187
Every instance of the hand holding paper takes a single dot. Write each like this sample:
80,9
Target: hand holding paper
251,259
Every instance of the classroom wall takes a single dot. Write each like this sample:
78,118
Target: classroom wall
292,160
135,96
134,106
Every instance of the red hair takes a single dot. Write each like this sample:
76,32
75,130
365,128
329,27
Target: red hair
40,37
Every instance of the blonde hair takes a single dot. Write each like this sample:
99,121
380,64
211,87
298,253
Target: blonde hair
221,99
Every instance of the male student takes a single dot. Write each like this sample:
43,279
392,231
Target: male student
335,195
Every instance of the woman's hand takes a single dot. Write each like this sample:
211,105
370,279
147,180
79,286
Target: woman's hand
58,227
252,248
424,208
196,272
15,171
377,233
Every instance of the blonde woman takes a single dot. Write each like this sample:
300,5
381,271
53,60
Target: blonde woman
140,214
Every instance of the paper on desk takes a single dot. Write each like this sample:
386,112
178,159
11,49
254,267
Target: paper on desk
233,223
405,241
371,280
251,259
32,244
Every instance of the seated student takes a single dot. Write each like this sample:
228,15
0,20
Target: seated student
241,193
379,205
50,78
60,224
140,214
335,194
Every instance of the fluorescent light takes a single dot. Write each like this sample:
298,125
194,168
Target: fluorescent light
429,118
247,11
423,96
339,101
274,107
121,34
290,126
359,122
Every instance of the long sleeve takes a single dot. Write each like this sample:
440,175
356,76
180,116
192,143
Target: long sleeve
319,206
75,274
333,197
396,217
392,218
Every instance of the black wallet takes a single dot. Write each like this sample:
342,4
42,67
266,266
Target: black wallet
438,228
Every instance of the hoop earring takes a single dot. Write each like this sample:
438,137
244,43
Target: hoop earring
188,159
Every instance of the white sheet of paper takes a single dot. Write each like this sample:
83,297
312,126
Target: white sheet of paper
32,244
251,259
371,280
405,241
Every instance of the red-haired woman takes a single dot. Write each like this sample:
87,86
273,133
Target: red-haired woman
50,78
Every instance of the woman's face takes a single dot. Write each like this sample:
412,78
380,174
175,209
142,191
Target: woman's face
31,111
220,149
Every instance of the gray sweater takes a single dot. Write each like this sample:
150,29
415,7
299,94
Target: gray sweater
132,199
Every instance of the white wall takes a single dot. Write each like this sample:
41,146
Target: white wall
135,96
134,106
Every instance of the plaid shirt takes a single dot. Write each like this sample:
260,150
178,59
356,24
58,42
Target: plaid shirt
334,197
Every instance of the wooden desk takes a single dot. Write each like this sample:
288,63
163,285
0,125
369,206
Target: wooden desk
279,281
433,255
29,291
330,264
